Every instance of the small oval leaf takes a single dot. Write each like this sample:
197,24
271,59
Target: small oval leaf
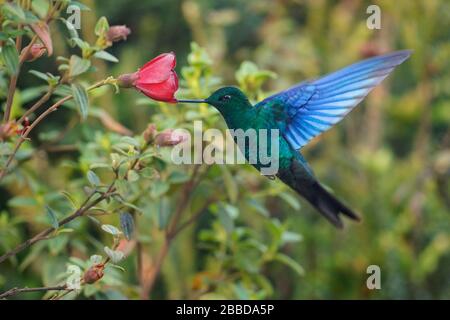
94,180
52,217
10,57
127,224
111,229
81,99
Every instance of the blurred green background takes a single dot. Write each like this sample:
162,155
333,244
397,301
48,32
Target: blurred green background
389,159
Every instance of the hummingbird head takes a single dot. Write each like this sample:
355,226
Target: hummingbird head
225,99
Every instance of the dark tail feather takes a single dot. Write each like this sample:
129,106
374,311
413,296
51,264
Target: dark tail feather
328,205
300,178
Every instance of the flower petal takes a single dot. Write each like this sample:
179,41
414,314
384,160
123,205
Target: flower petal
42,30
163,91
158,69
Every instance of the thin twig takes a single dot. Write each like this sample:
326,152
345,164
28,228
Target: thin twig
41,117
193,218
22,57
37,105
14,291
45,233
170,233
81,211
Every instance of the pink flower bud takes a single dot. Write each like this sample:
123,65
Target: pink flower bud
149,134
117,33
42,30
170,137
36,51
8,130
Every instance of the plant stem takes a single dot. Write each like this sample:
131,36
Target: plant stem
41,117
14,291
22,57
37,105
170,233
86,206
43,234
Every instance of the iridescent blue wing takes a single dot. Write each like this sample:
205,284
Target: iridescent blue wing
312,107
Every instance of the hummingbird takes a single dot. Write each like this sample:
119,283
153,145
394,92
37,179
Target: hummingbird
302,112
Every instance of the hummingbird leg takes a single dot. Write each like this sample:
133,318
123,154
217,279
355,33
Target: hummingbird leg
271,177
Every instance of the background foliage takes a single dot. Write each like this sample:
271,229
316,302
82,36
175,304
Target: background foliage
251,237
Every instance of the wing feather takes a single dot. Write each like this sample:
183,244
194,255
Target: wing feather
312,107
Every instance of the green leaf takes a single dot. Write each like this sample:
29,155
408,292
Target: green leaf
127,224
52,217
99,165
258,207
40,7
130,141
30,18
22,201
132,176
290,237
69,197
72,31
290,200
114,255
10,57
64,230
231,210
116,267
122,187
81,99
39,74
130,205
106,56
164,213
230,185
13,11
93,179
57,244
291,263
225,220
78,65
178,177
115,160
95,259
158,189
111,229
101,27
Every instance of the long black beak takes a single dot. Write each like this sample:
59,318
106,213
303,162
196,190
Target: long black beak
191,101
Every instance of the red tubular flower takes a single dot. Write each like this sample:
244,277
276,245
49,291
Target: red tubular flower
156,79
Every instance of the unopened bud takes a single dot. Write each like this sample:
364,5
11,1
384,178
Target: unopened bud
94,273
170,137
42,30
117,33
127,80
149,134
36,51
8,130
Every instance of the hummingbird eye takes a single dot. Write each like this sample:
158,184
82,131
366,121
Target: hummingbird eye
225,97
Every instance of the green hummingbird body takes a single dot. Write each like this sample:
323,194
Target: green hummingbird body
299,114
293,170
